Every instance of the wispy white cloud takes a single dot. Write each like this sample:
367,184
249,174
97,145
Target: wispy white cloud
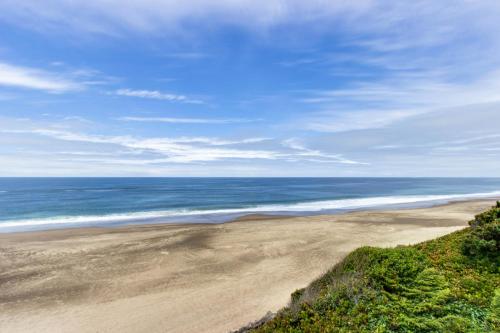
390,25
155,94
171,150
348,120
114,17
473,142
377,104
78,119
188,120
185,149
219,142
66,79
314,155
37,79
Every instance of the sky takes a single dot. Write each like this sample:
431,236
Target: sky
250,88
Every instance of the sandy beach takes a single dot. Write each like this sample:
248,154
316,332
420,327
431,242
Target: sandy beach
190,278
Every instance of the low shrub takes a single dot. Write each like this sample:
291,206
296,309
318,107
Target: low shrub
483,241
450,284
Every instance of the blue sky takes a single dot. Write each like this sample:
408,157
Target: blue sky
249,88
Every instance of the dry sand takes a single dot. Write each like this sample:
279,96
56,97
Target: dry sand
189,278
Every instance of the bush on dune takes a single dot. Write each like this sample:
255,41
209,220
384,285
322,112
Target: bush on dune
450,284
484,238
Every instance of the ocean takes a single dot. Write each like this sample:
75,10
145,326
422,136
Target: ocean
48,203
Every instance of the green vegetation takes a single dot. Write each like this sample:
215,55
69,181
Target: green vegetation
450,284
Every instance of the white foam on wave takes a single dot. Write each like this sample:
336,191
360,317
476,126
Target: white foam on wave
314,206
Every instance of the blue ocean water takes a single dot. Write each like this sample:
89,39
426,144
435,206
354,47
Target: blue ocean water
45,203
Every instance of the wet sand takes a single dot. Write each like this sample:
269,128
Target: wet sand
190,278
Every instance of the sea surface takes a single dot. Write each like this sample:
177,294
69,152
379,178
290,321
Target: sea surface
47,203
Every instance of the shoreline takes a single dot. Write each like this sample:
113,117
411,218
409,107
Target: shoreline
190,277
223,219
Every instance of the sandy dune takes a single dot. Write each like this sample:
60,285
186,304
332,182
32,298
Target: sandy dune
189,278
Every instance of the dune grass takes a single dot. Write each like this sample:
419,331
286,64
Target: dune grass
450,284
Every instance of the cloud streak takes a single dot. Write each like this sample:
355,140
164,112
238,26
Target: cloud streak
36,79
188,120
114,17
186,149
314,155
380,103
380,25
155,94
